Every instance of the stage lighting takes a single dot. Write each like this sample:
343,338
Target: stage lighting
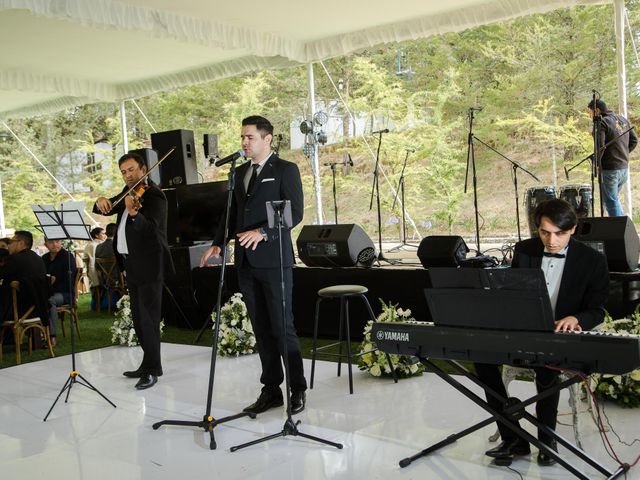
306,127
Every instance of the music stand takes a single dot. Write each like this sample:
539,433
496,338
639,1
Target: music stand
279,214
66,224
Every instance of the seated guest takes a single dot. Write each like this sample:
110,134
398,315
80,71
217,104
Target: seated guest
57,263
578,283
4,249
25,266
97,237
105,250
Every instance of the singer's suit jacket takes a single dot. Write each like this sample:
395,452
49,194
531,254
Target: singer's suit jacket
585,280
278,180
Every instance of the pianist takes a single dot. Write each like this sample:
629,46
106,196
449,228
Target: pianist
578,282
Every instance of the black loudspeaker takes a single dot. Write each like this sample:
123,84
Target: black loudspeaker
616,237
179,168
180,299
151,158
173,226
442,251
342,245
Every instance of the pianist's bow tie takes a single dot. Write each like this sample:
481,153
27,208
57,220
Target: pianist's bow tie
554,255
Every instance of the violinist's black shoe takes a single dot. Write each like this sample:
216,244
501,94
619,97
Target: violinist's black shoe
267,400
146,381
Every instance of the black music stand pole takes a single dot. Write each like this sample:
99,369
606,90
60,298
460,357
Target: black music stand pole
67,225
515,165
279,213
471,162
208,422
400,191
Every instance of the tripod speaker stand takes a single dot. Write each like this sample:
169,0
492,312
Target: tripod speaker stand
66,224
208,422
279,213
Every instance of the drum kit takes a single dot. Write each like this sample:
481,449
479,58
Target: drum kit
577,194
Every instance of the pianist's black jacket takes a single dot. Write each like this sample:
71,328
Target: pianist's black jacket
584,287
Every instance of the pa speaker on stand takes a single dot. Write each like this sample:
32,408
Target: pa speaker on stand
181,167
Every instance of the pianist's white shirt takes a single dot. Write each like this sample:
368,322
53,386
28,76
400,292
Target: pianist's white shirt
553,268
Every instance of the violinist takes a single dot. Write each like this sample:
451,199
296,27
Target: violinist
142,252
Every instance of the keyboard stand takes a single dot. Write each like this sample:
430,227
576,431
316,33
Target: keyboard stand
515,411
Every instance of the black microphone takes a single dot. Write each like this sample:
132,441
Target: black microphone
477,109
386,130
410,150
229,158
346,159
566,173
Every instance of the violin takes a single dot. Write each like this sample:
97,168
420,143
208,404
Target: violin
139,188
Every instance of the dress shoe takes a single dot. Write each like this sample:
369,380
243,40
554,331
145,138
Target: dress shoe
266,401
546,460
509,448
138,373
298,401
146,381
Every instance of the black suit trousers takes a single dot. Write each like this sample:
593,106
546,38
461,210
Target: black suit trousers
146,312
262,293
546,409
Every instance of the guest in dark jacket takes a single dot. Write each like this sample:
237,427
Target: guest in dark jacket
58,262
25,266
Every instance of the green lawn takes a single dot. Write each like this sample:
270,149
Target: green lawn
94,333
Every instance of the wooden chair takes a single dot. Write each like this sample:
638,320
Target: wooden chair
24,324
71,309
111,278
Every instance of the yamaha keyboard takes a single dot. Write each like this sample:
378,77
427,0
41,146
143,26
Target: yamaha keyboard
588,352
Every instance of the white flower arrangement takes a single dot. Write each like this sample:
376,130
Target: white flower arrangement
376,362
236,333
122,331
622,389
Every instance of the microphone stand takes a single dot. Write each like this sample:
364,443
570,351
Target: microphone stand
515,166
471,161
375,190
290,427
596,167
333,175
208,422
400,190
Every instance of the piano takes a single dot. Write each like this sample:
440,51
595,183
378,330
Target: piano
587,352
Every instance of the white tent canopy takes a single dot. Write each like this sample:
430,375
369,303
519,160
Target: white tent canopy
62,53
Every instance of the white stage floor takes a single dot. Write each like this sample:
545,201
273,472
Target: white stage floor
379,424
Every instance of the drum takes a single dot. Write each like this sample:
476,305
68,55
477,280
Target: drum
579,197
535,196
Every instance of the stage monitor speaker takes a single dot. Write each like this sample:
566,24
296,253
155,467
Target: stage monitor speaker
180,168
151,158
442,251
342,245
616,237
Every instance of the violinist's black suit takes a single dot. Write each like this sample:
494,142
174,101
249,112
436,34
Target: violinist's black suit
145,266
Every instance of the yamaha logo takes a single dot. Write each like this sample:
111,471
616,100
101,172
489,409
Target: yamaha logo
393,336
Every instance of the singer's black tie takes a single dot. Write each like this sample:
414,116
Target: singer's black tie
554,255
252,180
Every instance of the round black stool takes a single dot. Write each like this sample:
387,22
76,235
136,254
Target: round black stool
342,292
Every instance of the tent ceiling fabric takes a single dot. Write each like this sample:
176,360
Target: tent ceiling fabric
62,53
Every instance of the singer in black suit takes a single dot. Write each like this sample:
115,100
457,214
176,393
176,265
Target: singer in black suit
266,178
578,283
142,252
